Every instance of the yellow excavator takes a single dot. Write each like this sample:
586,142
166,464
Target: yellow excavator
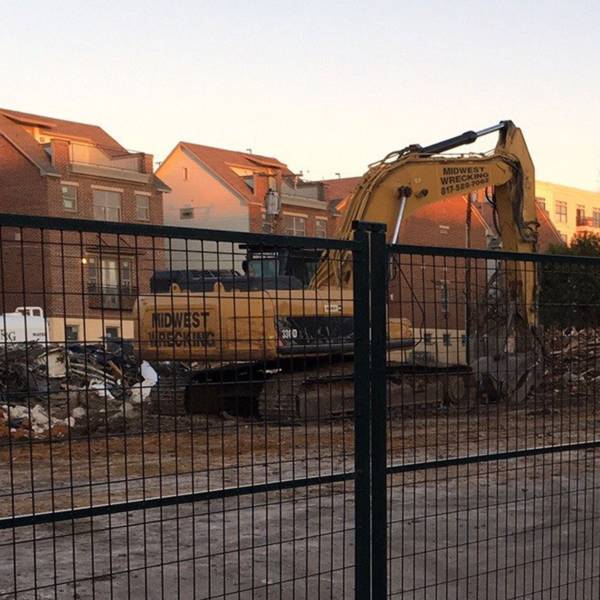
248,345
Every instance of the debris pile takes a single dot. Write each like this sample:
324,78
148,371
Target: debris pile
572,365
47,389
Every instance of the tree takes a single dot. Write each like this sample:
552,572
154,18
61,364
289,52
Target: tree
570,292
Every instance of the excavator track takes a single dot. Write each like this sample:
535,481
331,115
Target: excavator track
169,396
289,398
295,397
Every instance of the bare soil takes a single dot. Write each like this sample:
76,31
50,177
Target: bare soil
501,529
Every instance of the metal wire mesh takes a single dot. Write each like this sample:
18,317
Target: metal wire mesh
492,438
175,422
183,415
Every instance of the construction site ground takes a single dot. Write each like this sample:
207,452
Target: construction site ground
503,529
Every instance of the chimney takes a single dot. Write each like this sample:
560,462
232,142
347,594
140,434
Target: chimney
261,187
147,163
60,154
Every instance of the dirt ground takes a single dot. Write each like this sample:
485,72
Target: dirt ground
520,528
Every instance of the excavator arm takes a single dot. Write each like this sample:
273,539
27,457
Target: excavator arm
405,181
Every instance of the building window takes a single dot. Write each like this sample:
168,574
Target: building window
71,333
446,339
186,213
428,339
321,228
561,212
294,225
107,205
185,174
109,275
69,197
110,283
541,202
596,217
580,215
111,332
142,207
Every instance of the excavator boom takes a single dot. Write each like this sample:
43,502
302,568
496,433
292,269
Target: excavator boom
406,181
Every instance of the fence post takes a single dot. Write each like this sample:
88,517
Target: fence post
362,417
379,269
369,273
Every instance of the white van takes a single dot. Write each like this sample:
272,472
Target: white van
26,324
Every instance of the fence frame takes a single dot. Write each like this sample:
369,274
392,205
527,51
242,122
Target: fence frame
370,392
370,255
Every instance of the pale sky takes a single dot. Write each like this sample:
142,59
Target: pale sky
325,87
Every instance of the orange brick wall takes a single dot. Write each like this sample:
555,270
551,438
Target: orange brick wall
52,274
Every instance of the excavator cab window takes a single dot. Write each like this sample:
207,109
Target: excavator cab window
285,263
302,267
263,266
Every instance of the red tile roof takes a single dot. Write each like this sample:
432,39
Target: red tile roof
220,161
12,127
27,145
61,127
337,189
547,232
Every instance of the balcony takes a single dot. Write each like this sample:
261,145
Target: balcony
587,224
109,297
86,159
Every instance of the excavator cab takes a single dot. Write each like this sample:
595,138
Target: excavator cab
289,267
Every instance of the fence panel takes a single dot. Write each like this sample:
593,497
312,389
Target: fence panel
493,430
182,411
176,414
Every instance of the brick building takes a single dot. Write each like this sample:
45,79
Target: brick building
85,283
224,189
574,211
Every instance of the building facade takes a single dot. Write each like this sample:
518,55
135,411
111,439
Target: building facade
86,284
572,210
213,188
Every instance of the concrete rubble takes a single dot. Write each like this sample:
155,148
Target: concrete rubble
46,390
572,366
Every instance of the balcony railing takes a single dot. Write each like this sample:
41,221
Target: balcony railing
582,221
92,160
109,297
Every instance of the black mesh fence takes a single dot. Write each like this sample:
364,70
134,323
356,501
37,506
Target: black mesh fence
201,414
493,426
175,414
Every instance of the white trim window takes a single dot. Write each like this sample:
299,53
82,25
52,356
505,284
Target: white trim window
560,211
109,275
320,228
71,333
112,332
69,196
294,225
142,207
107,205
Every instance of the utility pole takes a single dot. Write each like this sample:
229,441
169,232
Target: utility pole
471,198
272,211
